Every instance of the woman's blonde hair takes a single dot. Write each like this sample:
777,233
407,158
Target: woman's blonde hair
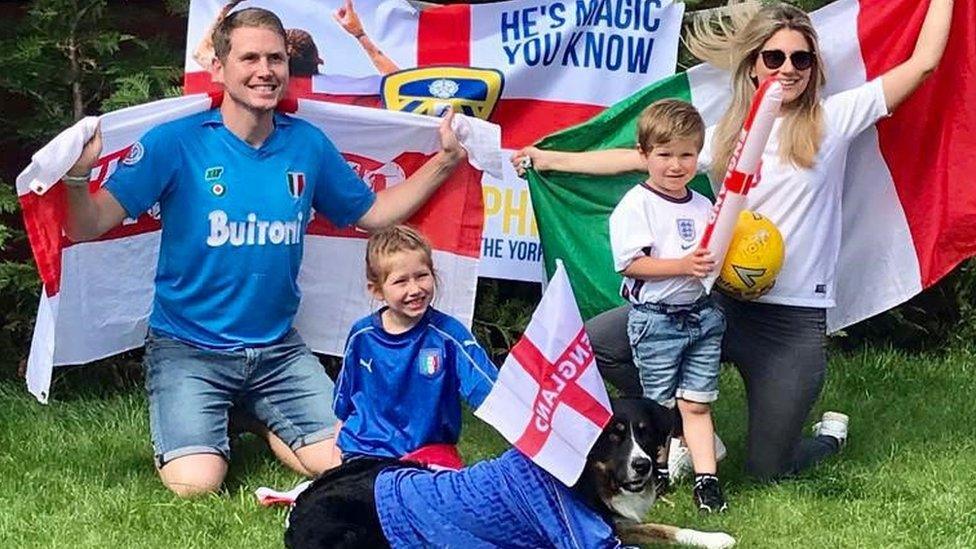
732,42
398,238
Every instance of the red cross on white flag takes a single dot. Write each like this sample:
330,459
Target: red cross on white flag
549,400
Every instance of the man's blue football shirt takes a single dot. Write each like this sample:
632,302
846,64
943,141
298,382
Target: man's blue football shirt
233,219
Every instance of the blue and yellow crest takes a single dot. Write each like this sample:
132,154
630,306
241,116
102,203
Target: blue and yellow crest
470,91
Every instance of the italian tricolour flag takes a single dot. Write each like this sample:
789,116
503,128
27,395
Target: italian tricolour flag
909,203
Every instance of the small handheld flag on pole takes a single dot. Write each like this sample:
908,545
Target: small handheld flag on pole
549,400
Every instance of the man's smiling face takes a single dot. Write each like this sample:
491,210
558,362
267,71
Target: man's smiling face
255,71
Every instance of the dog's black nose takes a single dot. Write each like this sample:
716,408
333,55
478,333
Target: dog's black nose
641,465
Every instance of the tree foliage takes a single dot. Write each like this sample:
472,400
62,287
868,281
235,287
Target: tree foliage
64,59
69,58
19,283
502,311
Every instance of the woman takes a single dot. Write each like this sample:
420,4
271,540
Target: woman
778,341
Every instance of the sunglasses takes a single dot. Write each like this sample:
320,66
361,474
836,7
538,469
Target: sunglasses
774,59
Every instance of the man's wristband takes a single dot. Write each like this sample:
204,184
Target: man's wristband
76,181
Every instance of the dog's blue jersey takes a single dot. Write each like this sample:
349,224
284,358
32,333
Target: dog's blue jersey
399,392
504,502
234,220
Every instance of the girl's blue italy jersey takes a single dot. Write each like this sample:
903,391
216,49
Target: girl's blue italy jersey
399,392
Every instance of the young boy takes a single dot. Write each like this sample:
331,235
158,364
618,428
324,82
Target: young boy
675,329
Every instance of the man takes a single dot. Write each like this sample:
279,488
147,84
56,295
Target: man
235,188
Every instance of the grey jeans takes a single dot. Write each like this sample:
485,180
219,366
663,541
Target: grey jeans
780,353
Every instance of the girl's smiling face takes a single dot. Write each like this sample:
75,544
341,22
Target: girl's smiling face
408,289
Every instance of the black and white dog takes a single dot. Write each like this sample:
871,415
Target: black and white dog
506,501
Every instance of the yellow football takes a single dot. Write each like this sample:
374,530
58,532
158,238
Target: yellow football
754,258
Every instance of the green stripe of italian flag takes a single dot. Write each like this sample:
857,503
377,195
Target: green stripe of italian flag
909,202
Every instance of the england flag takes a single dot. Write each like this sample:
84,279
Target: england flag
549,400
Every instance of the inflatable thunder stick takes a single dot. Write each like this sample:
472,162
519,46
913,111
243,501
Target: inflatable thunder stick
743,169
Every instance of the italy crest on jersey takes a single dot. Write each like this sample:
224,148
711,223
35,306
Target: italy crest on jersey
686,229
424,90
430,362
296,184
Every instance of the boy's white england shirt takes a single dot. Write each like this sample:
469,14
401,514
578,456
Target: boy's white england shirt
647,223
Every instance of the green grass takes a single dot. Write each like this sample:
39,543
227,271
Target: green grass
78,472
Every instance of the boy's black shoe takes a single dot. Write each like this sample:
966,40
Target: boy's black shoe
708,494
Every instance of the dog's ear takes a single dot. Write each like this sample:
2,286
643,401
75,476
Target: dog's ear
664,418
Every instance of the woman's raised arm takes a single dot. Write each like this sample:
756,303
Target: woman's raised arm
605,162
899,82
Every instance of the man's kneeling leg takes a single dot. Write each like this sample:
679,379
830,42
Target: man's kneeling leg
191,391
194,474
290,393
319,457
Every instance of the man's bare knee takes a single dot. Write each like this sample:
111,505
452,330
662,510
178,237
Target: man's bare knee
319,457
194,475
190,488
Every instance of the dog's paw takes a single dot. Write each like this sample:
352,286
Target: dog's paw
708,540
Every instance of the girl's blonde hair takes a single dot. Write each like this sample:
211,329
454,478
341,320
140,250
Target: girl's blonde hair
382,244
732,42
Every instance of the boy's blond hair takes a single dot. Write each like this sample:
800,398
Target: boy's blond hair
382,244
665,120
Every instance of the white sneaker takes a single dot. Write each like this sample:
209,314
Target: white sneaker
679,458
832,424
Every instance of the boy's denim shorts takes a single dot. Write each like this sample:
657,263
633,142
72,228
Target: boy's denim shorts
192,390
677,349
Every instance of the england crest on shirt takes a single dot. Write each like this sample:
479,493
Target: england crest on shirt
430,362
296,184
686,229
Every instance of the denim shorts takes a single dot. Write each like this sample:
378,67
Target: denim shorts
677,349
192,390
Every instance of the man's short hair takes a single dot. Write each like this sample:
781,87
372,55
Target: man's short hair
249,18
669,119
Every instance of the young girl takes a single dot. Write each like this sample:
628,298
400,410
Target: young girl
407,366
